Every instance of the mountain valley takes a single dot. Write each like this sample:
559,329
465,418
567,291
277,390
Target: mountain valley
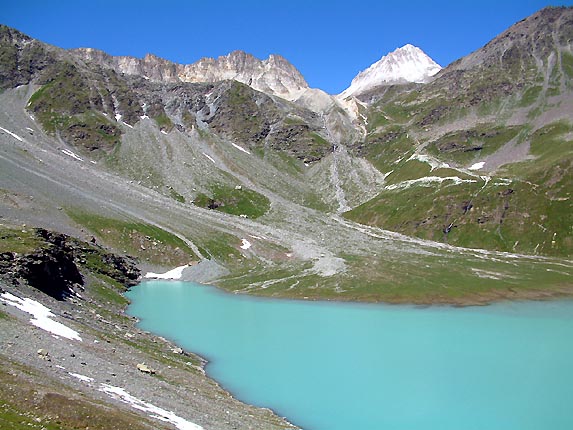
418,184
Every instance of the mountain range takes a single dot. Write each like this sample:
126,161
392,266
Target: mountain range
477,154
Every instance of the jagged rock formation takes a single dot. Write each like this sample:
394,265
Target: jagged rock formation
275,75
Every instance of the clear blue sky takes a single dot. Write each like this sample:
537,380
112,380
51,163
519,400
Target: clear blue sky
328,41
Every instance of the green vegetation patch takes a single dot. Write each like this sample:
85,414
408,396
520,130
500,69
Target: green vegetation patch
64,105
221,247
107,291
567,63
463,147
147,242
387,147
164,122
530,96
175,195
434,278
19,240
234,200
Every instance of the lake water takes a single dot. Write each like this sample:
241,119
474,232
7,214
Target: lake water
331,366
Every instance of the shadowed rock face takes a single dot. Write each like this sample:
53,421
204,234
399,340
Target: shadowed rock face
51,270
55,268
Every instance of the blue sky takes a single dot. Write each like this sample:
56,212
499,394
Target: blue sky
328,41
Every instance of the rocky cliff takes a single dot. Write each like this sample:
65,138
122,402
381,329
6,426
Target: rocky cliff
275,75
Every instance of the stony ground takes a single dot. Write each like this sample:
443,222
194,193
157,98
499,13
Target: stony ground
39,388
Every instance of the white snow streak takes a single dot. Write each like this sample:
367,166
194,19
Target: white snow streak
245,244
172,274
209,157
42,316
72,154
154,411
427,181
14,135
240,148
81,377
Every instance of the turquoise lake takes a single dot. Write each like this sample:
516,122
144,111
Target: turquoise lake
331,366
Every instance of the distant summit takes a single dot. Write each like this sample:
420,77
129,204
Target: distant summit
406,64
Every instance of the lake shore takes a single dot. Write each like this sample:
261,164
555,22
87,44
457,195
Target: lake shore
95,382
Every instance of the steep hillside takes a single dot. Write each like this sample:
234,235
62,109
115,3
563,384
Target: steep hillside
170,135
483,155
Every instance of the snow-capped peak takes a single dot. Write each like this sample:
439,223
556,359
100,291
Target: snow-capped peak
406,64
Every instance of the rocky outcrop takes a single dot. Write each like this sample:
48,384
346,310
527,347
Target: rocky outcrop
51,270
275,75
59,265
21,58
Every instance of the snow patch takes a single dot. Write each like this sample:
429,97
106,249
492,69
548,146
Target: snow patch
240,148
245,244
172,274
14,135
164,132
427,181
81,377
72,154
42,316
434,164
118,117
477,166
209,157
487,274
154,411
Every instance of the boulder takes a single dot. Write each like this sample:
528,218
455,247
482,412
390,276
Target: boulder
142,367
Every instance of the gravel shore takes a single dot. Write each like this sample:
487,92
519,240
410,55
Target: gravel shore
108,354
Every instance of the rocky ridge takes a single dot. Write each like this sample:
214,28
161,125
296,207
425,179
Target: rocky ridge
275,75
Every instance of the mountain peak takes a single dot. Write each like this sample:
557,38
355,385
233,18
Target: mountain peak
275,75
406,64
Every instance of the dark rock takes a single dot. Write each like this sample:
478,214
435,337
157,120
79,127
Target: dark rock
51,270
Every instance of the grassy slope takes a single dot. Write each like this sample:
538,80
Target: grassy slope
146,242
525,207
